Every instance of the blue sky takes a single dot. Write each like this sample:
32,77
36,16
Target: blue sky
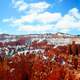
39,16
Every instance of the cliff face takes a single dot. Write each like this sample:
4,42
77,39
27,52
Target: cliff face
57,38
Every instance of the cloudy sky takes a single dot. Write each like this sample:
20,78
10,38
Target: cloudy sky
39,16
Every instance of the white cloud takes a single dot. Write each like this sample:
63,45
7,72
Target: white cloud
75,13
20,4
10,22
7,20
37,28
37,7
48,17
66,22
25,19
70,21
47,21
44,18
